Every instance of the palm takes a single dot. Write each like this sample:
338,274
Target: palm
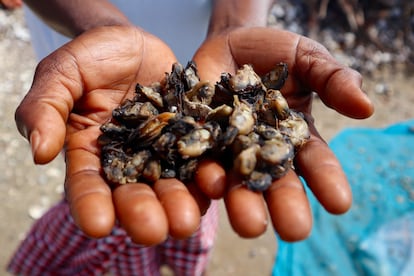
311,68
109,65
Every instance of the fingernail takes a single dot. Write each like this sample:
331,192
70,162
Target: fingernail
34,141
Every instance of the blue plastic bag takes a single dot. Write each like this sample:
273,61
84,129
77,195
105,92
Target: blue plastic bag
376,237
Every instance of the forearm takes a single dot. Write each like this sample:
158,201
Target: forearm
73,17
228,14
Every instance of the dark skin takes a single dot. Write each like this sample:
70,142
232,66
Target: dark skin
311,68
74,91
76,88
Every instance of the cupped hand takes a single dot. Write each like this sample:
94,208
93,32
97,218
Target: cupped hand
74,91
311,68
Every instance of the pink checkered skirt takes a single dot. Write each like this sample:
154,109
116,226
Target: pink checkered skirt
55,246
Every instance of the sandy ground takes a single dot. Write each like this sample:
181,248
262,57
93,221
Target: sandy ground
26,190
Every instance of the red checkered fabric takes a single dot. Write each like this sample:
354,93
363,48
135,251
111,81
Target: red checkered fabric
55,246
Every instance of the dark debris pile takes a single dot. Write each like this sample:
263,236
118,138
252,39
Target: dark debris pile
365,34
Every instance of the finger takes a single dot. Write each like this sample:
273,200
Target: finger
289,208
211,179
203,201
89,196
311,64
324,175
246,209
140,213
90,202
180,207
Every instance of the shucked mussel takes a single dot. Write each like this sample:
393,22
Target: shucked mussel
242,121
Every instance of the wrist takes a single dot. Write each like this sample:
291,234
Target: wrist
228,15
71,18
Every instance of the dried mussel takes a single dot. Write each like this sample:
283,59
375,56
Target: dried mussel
242,121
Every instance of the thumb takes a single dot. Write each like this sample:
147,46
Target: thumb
43,126
41,116
338,86
314,68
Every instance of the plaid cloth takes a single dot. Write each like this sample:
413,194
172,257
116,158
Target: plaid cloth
55,246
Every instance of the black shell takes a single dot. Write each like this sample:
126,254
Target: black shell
155,134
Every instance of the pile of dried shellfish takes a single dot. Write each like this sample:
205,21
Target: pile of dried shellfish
242,121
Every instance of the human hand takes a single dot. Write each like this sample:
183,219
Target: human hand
74,91
311,68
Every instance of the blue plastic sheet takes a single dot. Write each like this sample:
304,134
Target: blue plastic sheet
376,237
